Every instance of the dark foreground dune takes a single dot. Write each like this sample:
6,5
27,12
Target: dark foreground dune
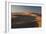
23,21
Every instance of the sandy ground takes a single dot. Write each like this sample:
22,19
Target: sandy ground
31,19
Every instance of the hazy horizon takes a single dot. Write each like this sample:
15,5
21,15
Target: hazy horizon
16,8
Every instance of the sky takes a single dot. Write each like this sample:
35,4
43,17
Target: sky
17,8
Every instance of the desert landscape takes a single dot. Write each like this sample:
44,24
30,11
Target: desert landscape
25,16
